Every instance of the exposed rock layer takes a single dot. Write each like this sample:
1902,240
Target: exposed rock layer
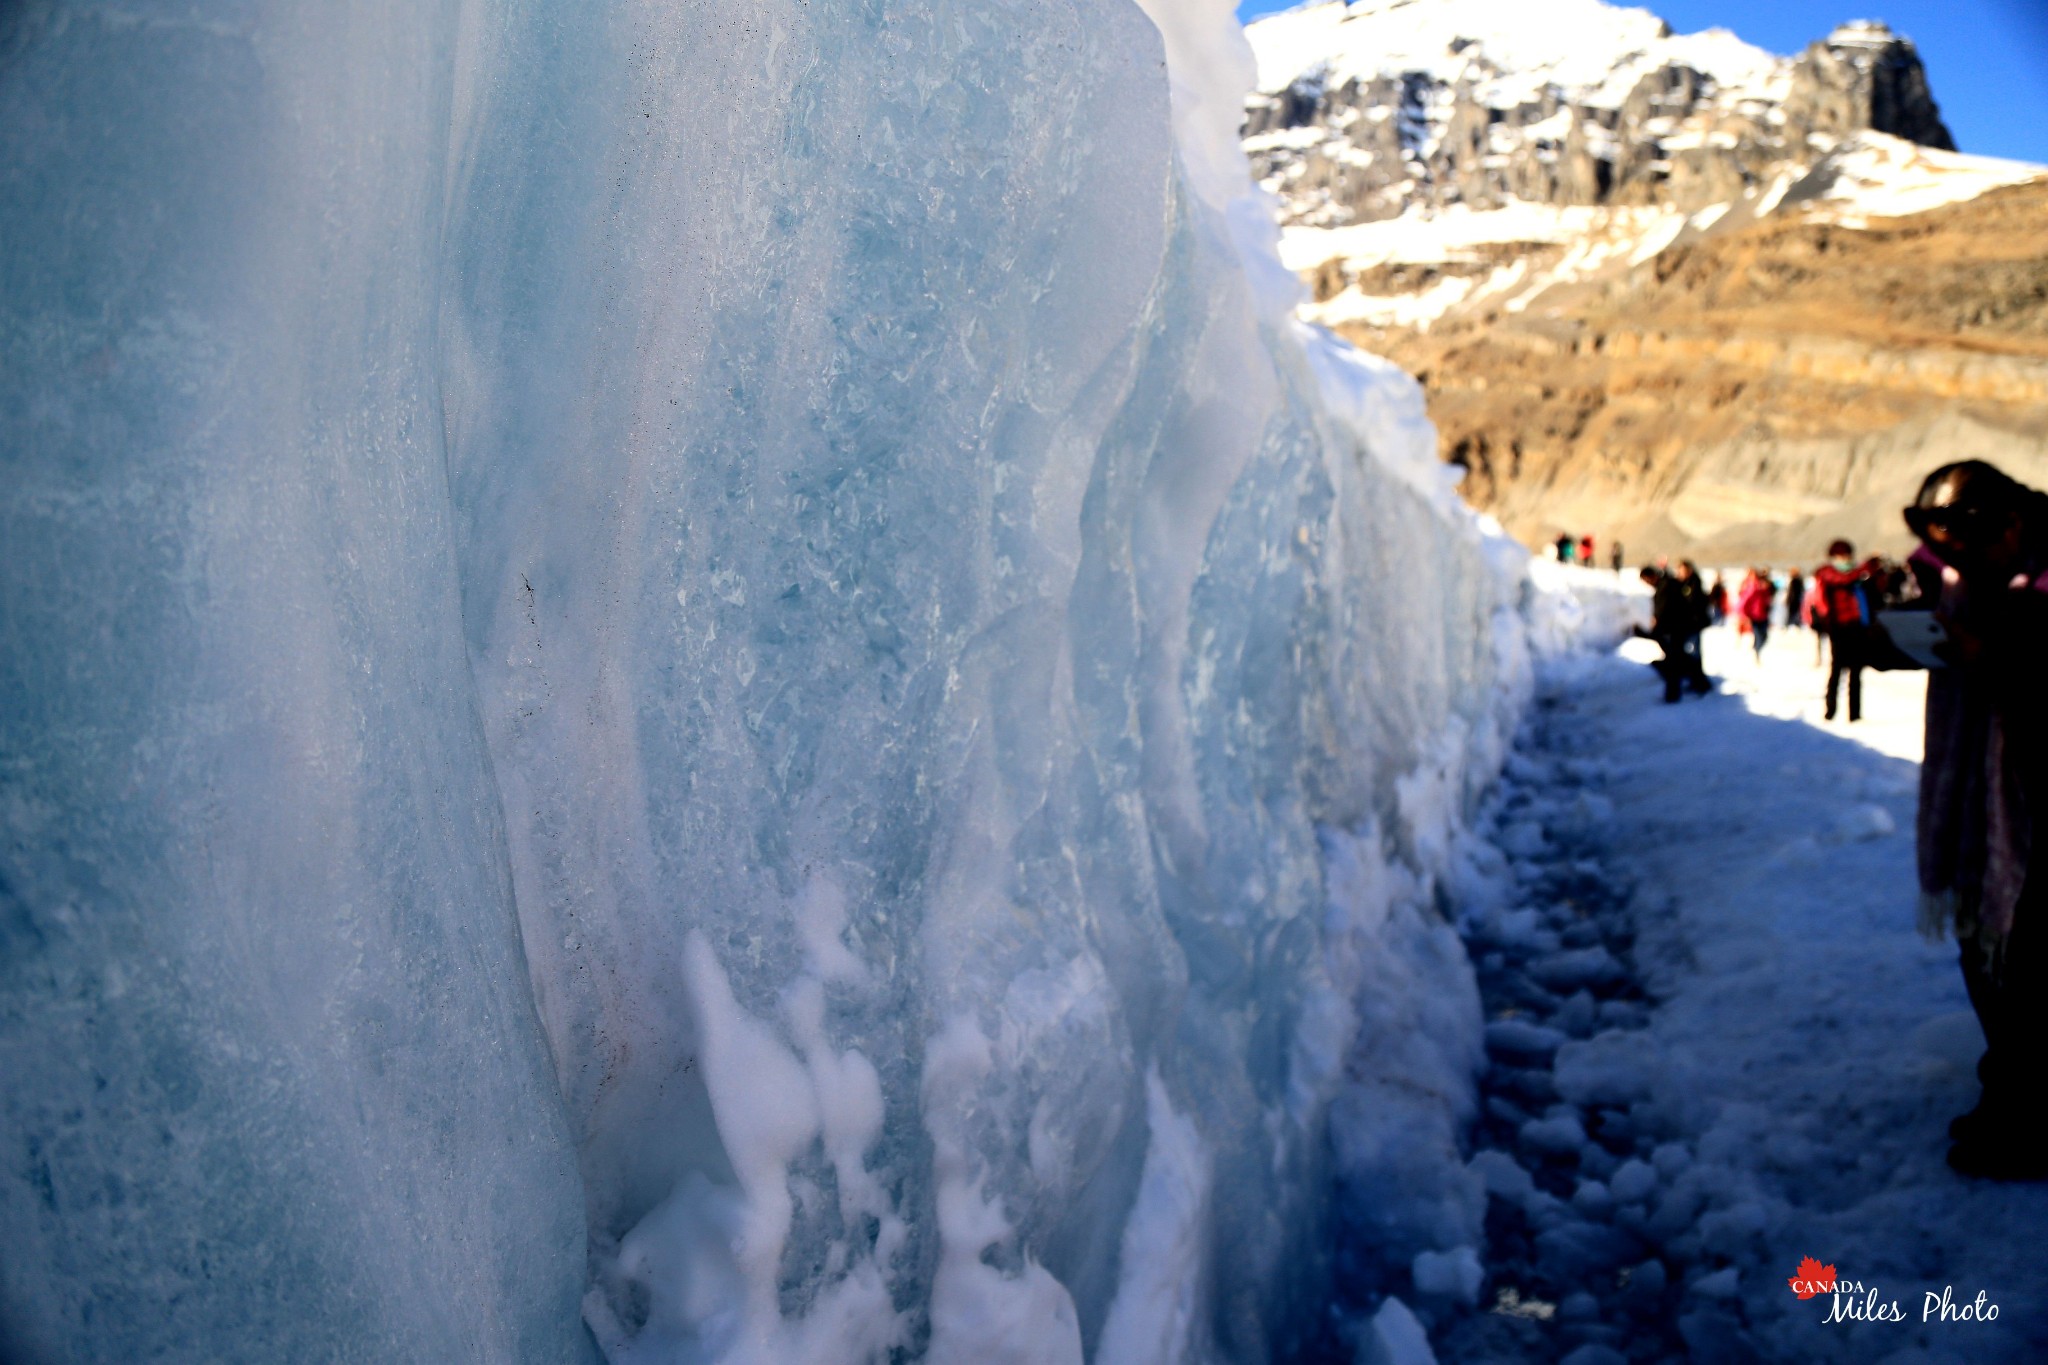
1754,394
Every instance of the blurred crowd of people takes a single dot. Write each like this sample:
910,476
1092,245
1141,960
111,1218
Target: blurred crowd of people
1570,549
1838,603
1970,605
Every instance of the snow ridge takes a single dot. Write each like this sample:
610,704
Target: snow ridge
1590,51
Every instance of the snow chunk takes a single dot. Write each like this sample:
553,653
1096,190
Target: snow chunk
1576,968
1593,1353
1395,1338
1724,1283
1563,1135
1150,1320
1519,1038
1617,1068
1505,1177
1453,1274
1860,823
1634,1182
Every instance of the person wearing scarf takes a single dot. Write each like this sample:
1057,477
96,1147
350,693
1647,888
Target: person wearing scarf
1983,789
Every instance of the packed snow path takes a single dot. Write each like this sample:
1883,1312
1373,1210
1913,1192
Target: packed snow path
1718,1043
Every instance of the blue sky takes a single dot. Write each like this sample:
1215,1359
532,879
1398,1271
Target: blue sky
1986,59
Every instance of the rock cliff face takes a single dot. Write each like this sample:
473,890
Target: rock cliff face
1756,393
1664,288
1864,76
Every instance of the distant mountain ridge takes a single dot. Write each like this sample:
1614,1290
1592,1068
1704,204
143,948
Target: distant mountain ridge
1500,196
1377,108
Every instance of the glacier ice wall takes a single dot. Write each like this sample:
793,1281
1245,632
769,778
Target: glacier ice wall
705,682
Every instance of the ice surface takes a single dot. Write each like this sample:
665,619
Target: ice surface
273,1083
1449,1274
719,680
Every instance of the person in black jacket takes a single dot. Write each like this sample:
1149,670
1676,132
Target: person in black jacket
1695,613
1678,613
1984,794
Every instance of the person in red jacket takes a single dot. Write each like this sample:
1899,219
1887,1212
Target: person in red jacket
1844,607
1753,606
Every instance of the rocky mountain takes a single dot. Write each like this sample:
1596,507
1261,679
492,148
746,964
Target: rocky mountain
1666,288
1753,394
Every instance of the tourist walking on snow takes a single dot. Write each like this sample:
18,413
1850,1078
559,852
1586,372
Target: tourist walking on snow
1717,598
1844,607
1795,599
1753,607
1696,614
1678,608
1983,791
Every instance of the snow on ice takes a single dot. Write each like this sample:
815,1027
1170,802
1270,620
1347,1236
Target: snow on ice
714,683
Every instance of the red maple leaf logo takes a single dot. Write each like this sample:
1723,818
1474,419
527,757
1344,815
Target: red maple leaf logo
1812,1278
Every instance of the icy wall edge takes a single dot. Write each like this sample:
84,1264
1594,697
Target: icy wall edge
812,515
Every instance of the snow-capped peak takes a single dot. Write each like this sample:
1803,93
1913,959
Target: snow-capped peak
1592,52
1544,141
1863,33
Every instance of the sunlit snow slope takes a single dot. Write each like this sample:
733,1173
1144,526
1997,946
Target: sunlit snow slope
704,682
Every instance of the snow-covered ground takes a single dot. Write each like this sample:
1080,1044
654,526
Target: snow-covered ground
1719,1044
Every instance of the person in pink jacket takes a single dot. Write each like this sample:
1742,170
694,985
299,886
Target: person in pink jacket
1753,603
